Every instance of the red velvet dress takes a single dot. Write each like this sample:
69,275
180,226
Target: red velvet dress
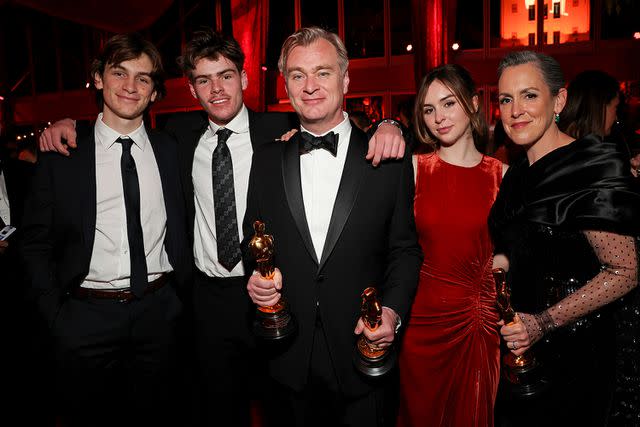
449,359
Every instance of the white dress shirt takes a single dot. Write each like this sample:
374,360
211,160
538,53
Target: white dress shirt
205,246
321,173
110,266
5,212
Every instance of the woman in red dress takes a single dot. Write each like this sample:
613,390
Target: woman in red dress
449,359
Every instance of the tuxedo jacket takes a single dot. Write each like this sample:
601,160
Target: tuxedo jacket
60,219
371,241
188,128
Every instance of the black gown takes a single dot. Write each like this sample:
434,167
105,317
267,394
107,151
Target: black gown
545,219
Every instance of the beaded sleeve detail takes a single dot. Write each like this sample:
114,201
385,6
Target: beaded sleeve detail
618,275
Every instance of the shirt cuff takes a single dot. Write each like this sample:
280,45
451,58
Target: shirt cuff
398,319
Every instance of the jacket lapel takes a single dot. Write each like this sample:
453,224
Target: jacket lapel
253,130
188,150
352,174
293,191
87,158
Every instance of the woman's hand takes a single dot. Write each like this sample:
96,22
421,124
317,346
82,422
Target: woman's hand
521,334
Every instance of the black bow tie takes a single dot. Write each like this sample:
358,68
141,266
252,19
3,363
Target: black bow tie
309,142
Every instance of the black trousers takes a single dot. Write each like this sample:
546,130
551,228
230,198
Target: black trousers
115,361
322,402
229,367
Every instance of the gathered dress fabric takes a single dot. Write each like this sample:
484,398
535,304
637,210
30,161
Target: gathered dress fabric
449,357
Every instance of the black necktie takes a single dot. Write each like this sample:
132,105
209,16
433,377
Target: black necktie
224,199
309,142
131,188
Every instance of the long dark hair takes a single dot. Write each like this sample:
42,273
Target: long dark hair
588,95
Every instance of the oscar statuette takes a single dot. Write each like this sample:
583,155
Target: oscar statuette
273,322
368,358
523,376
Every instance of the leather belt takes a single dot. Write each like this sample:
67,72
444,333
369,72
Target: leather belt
121,295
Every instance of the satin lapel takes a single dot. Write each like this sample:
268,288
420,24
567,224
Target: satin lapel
164,169
87,158
293,191
253,129
354,167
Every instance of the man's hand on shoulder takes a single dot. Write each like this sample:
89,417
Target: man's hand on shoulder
52,137
386,143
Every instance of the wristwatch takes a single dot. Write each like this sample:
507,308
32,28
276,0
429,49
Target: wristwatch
391,122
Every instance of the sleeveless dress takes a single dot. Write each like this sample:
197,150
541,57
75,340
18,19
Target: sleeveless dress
449,358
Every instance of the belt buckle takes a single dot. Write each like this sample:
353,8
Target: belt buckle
125,298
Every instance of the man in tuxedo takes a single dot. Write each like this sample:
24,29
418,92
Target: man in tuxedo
339,225
105,249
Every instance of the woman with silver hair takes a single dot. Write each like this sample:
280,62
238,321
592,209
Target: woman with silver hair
566,220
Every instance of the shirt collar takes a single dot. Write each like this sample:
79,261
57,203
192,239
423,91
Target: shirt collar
341,129
239,124
108,136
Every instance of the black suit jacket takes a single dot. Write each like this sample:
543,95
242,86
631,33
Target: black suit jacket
60,217
188,128
371,241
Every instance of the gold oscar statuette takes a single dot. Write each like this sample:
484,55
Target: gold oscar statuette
271,322
370,359
523,376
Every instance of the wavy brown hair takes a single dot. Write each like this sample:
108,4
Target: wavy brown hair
210,44
458,80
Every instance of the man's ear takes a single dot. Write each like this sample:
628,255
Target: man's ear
345,82
244,79
97,81
286,89
192,89
154,95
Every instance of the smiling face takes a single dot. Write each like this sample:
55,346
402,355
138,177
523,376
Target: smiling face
527,107
444,115
316,86
218,85
127,90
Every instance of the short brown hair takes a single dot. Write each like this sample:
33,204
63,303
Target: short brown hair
210,44
125,47
458,80
305,37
